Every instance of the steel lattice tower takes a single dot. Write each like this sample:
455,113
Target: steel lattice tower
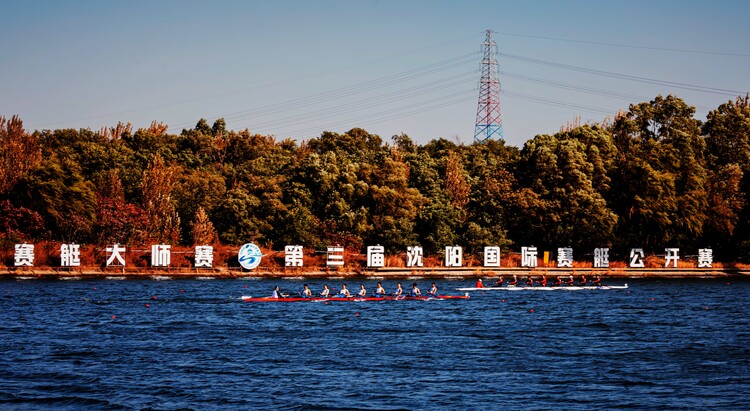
489,123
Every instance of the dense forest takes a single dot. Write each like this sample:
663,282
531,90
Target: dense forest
651,177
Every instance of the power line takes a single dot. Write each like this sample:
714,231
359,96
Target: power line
686,86
349,90
582,89
386,115
633,46
557,103
368,102
387,57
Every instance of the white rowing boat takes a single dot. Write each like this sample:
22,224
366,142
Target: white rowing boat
534,288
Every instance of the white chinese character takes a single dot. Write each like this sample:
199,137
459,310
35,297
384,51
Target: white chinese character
565,257
414,256
705,258
70,255
114,253
204,256
293,256
492,256
24,255
528,257
601,258
453,256
636,258
160,255
375,256
671,255
335,257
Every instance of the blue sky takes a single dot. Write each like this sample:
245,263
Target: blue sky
297,68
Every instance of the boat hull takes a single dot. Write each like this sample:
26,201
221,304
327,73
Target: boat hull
250,299
553,288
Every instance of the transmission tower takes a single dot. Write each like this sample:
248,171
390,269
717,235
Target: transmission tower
489,123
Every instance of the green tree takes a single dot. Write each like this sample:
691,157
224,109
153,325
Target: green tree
660,189
557,170
56,190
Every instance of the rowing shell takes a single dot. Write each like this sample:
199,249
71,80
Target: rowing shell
250,299
531,288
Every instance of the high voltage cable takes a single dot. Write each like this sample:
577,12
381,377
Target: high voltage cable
590,90
634,46
352,89
397,113
369,102
557,103
276,83
703,89
344,91
404,108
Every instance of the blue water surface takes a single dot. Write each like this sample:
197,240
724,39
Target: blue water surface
192,344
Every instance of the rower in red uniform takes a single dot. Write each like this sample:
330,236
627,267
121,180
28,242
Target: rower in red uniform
499,281
543,283
479,284
558,281
515,281
570,281
529,281
598,281
583,281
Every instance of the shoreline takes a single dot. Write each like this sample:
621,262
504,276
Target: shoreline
442,273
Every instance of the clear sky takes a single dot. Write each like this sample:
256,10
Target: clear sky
297,68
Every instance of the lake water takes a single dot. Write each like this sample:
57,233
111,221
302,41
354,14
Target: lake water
192,344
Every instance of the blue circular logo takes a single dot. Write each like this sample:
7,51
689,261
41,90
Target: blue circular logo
249,256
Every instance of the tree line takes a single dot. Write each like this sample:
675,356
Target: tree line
652,177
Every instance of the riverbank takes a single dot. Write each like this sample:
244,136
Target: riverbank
381,273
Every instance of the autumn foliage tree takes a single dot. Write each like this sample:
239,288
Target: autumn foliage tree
157,185
19,152
202,229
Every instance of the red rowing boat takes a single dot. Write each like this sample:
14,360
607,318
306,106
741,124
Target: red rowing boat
250,299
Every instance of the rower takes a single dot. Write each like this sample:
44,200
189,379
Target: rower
543,283
306,292
570,281
415,291
479,284
325,291
362,292
515,280
583,280
558,281
598,281
344,292
433,290
529,281
499,282
380,290
399,290
276,293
